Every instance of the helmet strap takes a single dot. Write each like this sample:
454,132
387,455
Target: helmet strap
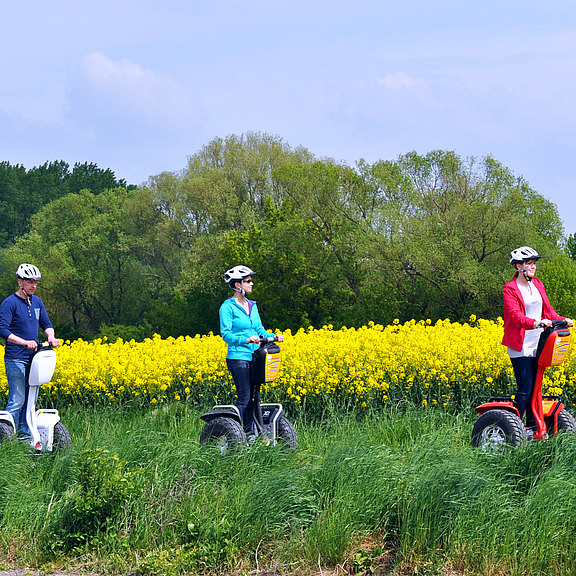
241,289
24,291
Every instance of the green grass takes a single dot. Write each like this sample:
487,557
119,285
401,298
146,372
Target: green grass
398,492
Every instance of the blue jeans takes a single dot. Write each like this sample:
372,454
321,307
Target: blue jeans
16,373
240,370
525,369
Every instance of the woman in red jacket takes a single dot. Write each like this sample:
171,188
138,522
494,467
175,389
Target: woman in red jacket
526,310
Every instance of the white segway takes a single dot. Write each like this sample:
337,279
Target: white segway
48,433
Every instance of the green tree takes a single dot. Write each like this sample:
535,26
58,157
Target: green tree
423,236
88,176
454,223
224,193
319,221
571,246
23,192
229,180
559,277
89,248
11,202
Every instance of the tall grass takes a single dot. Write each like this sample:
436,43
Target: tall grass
399,491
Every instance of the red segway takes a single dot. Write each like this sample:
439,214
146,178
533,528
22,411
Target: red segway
500,421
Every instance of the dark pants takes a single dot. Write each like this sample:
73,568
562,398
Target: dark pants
525,369
240,370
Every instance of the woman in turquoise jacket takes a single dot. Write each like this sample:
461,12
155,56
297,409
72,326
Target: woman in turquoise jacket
241,328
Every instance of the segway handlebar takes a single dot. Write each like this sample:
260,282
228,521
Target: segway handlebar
44,346
41,346
268,340
556,325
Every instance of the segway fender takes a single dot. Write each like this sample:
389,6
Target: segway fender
8,418
498,405
226,410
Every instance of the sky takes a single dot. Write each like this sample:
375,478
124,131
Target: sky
138,86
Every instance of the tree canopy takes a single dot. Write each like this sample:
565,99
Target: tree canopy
422,236
23,192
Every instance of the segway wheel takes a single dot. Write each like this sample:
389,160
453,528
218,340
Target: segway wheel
496,428
224,433
566,423
6,431
61,440
287,436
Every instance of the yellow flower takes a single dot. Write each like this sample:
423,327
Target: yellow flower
427,363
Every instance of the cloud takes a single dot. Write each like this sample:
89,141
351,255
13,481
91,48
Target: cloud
127,90
400,81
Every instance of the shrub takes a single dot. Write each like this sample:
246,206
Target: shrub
103,484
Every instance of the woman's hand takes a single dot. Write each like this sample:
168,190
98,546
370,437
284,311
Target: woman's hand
256,339
543,323
569,322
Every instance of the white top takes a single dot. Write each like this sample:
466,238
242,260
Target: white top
533,303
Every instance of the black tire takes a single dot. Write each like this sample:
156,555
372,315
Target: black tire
6,431
61,439
286,434
226,434
566,423
498,427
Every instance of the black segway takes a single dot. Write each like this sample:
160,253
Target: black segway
223,423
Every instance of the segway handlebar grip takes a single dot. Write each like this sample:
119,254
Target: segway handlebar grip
556,324
43,346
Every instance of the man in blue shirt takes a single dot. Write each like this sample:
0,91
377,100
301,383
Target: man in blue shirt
21,316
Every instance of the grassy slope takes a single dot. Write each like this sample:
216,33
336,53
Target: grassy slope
397,492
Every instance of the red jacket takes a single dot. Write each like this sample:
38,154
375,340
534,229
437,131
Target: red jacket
515,320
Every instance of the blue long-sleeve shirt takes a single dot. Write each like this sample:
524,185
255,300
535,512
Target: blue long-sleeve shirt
236,326
23,319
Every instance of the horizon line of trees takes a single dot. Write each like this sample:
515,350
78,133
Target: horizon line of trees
422,236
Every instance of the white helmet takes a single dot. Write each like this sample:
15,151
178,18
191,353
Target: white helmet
28,272
237,274
523,254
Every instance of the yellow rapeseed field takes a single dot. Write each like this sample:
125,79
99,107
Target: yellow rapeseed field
444,363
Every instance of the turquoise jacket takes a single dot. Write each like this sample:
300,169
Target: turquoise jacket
236,326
